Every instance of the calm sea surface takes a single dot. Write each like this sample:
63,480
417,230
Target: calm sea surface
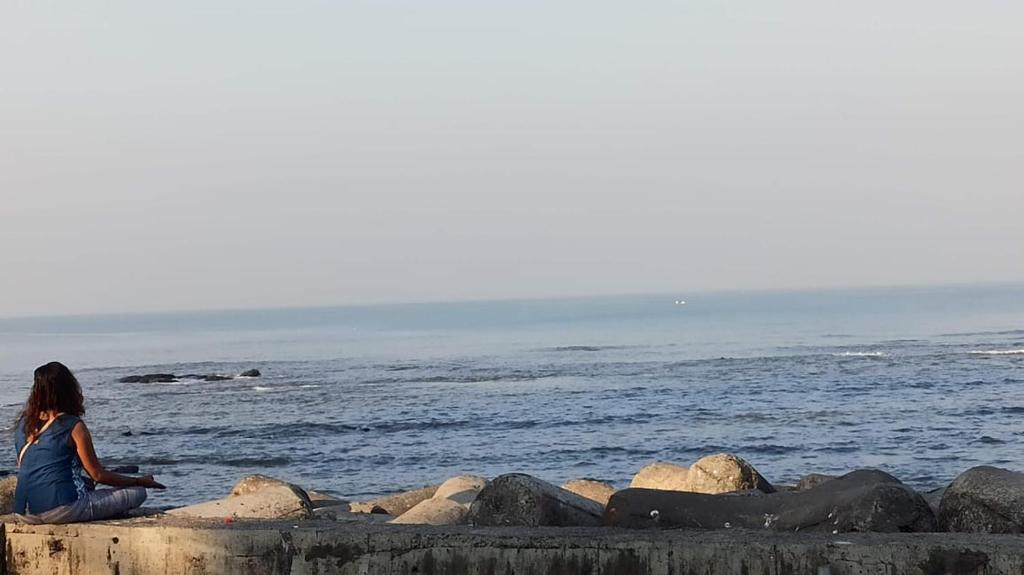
923,383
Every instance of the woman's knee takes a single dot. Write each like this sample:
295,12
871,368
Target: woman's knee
136,496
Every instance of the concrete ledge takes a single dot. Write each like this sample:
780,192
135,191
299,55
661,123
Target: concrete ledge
175,546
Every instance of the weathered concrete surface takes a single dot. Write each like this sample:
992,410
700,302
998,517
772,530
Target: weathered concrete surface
173,546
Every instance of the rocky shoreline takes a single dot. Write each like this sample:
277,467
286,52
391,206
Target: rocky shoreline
717,492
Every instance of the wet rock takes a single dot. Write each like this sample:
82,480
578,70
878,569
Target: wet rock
661,475
719,473
984,500
435,511
7,487
150,378
270,502
462,489
250,373
592,489
396,504
812,480
864,500
518,499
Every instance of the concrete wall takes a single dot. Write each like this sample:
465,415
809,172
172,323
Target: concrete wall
165,546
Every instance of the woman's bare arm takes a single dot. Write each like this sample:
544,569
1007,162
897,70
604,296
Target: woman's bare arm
87,454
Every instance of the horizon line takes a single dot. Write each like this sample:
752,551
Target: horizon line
513,299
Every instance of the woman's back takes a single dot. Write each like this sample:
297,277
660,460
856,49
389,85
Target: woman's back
50,474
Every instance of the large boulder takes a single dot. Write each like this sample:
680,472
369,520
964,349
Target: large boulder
724,473
270,502
865,500
661,475
984,500
434,511
462,489
522,500
719,473
592,489
397,503
258,482
7,486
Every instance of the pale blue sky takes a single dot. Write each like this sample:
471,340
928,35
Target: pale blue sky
234,154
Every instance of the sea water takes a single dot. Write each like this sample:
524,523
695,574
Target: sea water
921,382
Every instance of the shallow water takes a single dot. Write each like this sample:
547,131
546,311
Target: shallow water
923,383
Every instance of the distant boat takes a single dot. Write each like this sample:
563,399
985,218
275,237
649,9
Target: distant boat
680,302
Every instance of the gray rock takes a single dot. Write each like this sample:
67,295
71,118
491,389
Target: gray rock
984,500
864,500
150,378
522,500
934,498
250,373
812,480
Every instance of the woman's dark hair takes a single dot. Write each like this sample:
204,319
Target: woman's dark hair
54,390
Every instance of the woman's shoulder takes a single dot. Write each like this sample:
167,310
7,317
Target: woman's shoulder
68,421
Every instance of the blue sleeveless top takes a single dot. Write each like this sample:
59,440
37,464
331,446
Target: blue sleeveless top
51,473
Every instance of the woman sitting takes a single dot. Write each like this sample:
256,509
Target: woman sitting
57,464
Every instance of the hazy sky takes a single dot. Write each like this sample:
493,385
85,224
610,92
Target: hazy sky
197,154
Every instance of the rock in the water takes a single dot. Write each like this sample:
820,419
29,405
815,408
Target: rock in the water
124,469
250,373
592,489
661,475
724,473
7,486
812,480
150,378
720,473
518,499
434,511
270,502
865,500
984,500
258,482
462,489
396,504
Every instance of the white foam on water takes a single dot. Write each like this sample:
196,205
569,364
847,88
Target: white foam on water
261,388
998,352
861,354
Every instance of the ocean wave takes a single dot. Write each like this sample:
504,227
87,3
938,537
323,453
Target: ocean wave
998,352
570,348
861,354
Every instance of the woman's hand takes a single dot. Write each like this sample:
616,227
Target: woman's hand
148,482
